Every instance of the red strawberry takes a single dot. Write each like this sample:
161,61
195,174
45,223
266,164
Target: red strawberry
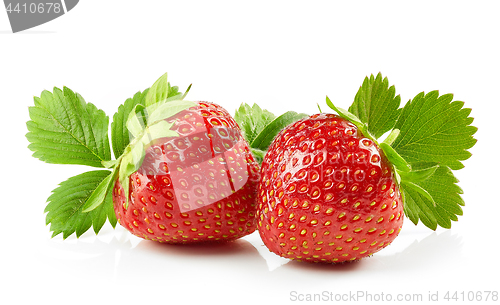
327,193
200,186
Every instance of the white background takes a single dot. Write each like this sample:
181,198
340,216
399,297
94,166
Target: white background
283,55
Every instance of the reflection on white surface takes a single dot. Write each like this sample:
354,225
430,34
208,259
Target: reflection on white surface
413,253
119,250
434,249
273,261
116,262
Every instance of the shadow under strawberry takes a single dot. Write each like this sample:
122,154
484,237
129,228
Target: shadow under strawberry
237,247
186,263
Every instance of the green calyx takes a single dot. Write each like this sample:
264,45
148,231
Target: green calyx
157,127
161,91
65,129
428,138
145,124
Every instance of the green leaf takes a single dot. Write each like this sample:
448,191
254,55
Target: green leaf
162,91
136,120
107,210
138,153
258,154
160,129
120,137
376,105
418,189
109,164
346,115
442,187
351,118
435,129
252,120
100,193
395,158
162,111
259,127
391,137
185,93
158,92
173,92
416,208
419,175
127,167
269,132
64,129
65,205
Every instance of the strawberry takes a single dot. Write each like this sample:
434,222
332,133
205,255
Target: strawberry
327,193
331,192
196,187
182,173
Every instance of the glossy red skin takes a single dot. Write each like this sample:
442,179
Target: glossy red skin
183,192
327,193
